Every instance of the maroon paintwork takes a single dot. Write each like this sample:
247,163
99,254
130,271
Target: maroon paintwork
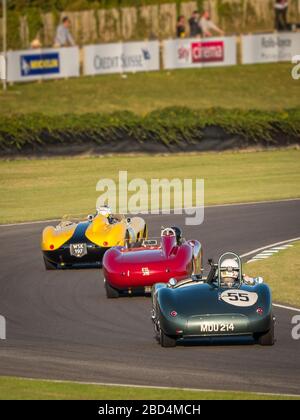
126,269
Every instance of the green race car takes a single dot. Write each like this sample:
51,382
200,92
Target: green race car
224,304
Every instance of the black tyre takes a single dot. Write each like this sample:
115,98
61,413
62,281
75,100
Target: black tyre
111,293
49,265
127,239
268,338
145,232
166,340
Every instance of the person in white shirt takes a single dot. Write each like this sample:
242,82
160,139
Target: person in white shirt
208,26
63,36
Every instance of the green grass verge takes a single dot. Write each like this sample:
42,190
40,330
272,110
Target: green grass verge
262,86
282,273
42,189
16,388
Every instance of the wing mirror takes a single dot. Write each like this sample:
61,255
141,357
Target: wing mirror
128,219
172,282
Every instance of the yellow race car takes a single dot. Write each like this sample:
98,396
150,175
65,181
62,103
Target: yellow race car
82,243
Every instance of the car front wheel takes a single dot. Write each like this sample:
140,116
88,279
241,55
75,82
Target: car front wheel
268,338
49,265
166,340
111,293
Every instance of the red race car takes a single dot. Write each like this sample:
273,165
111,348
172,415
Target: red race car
128,270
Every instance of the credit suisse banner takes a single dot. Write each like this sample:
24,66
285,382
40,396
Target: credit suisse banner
266,48
208,52
28,65
121,57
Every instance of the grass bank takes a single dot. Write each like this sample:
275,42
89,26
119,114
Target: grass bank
25,389
43,189
260,86
282,273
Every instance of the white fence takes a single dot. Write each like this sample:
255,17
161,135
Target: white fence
28,65
121,57
2,67
269,48
189,53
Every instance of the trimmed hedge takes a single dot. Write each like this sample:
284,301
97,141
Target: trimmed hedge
169,126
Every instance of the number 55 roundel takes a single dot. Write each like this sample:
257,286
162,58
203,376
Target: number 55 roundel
239,297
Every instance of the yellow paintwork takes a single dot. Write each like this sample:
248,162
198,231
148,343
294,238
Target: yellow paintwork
56,237
98,232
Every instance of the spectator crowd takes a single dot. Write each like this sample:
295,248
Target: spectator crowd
200,25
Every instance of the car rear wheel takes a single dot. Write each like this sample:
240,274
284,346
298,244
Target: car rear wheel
49,265
111,293
268,338
127,240
166,340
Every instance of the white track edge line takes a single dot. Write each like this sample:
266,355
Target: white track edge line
289,308
255,251
160,387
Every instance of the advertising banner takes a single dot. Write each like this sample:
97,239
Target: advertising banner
28,65
208,52
267,48
121,57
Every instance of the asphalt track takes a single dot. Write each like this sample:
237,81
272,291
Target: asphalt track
61,326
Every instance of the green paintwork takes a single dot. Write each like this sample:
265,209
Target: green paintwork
201,311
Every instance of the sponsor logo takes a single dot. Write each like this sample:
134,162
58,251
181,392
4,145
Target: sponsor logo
183,53
240,298
145,271
124,61
202,52
296,328
278,42
207,52
296,68
39,64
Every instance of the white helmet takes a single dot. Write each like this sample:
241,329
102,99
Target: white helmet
104,211
229,272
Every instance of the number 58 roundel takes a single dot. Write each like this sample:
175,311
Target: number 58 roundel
239,297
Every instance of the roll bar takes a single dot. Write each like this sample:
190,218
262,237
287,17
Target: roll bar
234,256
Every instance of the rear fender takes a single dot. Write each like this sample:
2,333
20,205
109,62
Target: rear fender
100,231
53,239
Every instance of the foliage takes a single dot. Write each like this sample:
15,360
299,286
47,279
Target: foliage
169,125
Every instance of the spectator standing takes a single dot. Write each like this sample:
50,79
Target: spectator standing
180,27
195,29
63,36
208,26
281,10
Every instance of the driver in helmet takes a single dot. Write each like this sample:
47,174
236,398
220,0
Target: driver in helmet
229,273
106,212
